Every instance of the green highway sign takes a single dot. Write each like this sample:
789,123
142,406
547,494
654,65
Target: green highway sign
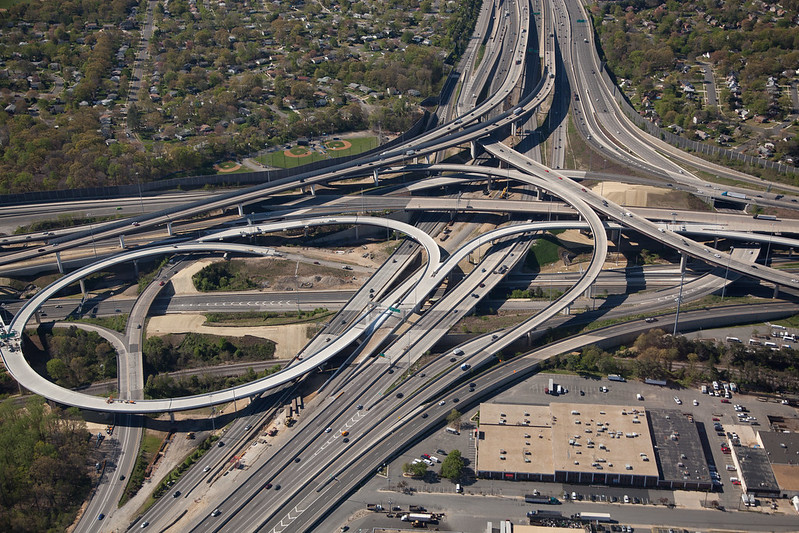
393,309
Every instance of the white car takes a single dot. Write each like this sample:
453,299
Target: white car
677,401
696,402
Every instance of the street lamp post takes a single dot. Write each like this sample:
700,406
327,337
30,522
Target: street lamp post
726,272
91,230
679,301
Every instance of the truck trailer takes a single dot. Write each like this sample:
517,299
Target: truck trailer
593,517
424,518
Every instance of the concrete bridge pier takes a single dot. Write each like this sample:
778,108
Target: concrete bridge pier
473,149
776,291
136,267
169,229
122,241
376,175
241,209
683,262
82,288
312,189
59,263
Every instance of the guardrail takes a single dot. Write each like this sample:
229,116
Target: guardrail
681,142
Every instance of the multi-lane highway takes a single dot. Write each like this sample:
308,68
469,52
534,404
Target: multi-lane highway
368,410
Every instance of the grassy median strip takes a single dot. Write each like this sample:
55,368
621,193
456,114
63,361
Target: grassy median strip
174,475
253,318
149,447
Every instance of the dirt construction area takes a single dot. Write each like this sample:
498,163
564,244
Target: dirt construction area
289,338
636,195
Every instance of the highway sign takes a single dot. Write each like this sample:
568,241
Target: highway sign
393,309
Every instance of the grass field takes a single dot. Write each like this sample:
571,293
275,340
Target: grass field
5,4
280,160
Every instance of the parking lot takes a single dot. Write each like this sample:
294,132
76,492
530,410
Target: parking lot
708,411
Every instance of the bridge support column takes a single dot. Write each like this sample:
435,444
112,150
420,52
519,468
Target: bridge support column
683,262
715,242
169,229
356,232
171,417
59,263
376,174
136,268
82,288
513,128
241,210
473,149
776,291
312,189
122,241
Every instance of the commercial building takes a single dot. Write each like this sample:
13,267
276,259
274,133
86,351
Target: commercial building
782,451
592,444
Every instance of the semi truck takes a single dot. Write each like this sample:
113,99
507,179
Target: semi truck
732,194
424,518
593,517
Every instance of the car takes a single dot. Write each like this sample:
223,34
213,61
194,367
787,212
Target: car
207,469
716,419
452,359
475,295
424,415
328,430
268,486
582,393
677,401
442,402
216,512
176,494
135,224
482,285
248,427
736,482
296,459
359,407
122,477
316,262
725,400
696,402
626,499
277,487
455,400
614,499
400,395
650,319
220,444
345,433
425,456
144,524
100,516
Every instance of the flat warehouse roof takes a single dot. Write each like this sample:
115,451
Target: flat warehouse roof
755,469
601,438
678,447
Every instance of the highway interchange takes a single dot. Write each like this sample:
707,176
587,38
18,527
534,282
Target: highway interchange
315,469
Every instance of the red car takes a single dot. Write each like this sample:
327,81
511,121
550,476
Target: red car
736,482
725,400
425,456
716,419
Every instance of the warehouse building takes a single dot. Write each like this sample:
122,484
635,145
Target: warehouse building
592,444
678,451
782,451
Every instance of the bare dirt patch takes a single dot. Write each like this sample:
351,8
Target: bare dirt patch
288,338
182,283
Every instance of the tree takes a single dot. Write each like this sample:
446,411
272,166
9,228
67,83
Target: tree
452,467
454,419
415,469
